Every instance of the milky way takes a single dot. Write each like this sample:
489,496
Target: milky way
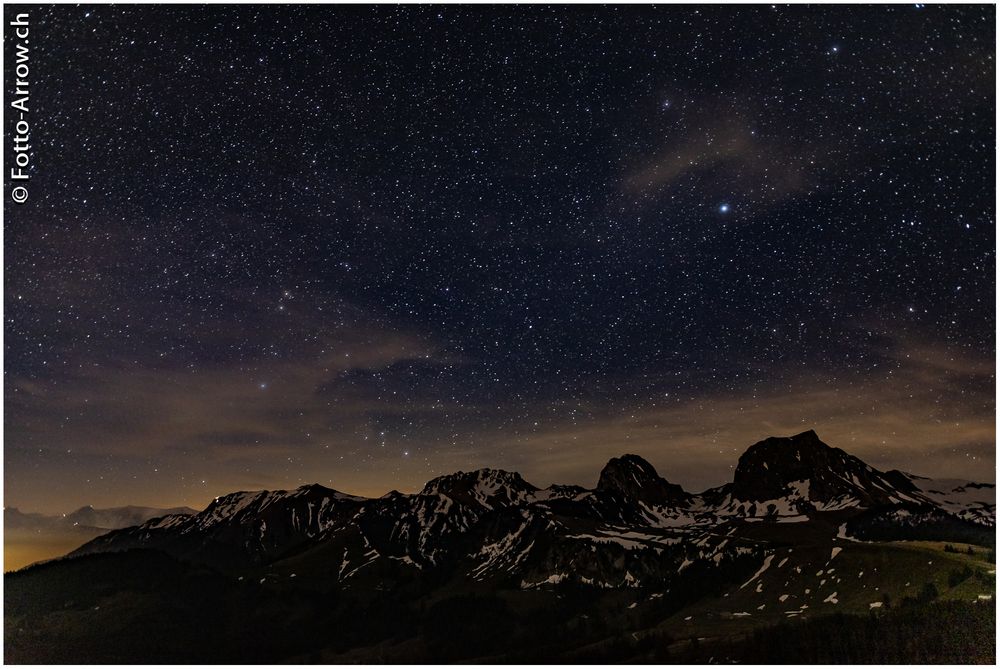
367,245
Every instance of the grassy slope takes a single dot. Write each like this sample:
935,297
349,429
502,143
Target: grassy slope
866,572
860,574
175,613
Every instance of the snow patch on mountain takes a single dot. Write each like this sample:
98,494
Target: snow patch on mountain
975,502
764,567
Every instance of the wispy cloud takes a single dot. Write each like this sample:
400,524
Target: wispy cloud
921,415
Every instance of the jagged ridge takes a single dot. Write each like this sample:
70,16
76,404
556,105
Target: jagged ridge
634,527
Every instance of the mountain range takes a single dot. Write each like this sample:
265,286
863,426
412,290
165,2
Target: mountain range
492,524
792,536
87,518
33,537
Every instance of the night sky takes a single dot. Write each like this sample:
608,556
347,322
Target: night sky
364,246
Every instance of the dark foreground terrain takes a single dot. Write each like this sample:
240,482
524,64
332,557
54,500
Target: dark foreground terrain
808,556
139,607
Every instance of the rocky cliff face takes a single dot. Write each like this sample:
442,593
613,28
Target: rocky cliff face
636,479
802,464
489,488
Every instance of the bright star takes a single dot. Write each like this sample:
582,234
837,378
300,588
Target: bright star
723,208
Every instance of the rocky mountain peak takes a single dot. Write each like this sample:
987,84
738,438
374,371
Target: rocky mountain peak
633,477
316,490
768,469
491,488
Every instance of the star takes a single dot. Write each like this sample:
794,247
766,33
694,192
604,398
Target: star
457,245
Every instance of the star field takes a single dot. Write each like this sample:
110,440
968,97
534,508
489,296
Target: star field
367,245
